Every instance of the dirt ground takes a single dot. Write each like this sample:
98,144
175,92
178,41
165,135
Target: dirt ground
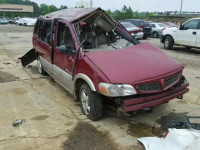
53,121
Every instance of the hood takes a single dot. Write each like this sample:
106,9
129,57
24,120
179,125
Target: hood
133,64
171,29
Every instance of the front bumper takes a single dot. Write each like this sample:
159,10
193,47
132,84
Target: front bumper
139,35
147,34
140,102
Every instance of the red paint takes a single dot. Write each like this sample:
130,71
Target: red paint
166,133
134,65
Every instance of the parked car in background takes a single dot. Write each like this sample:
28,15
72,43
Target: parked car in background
170,24
157,29
3,21
26,21
12,21
188,35
133,30
142,24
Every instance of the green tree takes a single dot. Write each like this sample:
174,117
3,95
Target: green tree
44,9
109,12
62,7
52,8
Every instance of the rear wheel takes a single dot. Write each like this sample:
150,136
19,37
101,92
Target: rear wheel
40,67
155,35
187,47
91,103
144,37
168,42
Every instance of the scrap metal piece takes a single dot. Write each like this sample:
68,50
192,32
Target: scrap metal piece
29,57
18,122
174,139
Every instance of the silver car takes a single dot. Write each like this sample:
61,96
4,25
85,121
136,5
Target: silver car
157,29
133,30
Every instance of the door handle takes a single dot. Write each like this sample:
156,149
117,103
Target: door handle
194,33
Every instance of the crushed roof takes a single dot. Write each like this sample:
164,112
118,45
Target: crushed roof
71,14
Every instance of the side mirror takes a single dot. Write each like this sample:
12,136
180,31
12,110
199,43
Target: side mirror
181,27
64,49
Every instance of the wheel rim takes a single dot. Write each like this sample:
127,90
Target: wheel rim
85,102
39,66
166,42
154,34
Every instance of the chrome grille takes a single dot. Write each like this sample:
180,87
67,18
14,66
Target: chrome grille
148,87
169,81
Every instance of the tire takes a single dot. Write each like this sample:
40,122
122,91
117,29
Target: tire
91,103
168,42
155,35
40,67
187,47
144,38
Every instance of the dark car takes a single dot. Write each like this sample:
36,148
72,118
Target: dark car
141,24
96,59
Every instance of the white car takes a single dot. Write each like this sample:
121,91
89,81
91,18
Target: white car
26,21
188,35
157,29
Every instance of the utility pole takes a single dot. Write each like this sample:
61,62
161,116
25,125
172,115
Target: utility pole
181,6
90,3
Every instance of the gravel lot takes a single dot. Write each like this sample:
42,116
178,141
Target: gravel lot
54,121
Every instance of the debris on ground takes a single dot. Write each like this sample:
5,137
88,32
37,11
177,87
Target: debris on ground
179,121
174,139
18,122
6,63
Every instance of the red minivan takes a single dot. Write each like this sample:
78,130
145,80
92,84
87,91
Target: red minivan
95,58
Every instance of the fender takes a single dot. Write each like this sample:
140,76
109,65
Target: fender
86,79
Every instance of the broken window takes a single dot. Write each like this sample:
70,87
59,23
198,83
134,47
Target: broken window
64,36
39,28
46,32
98,32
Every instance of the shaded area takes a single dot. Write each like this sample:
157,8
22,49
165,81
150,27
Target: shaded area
144,130
33,69
178,121
185,50
87,137
42,117
7,77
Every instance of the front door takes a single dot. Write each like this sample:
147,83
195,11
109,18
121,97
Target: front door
63,63
188,35
198,36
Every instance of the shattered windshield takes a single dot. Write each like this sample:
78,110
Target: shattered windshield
98,32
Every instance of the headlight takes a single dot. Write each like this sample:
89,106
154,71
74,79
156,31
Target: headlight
116,90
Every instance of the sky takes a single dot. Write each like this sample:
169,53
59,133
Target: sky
136,5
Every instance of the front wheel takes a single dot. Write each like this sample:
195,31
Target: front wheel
91,103
168,42
144,38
